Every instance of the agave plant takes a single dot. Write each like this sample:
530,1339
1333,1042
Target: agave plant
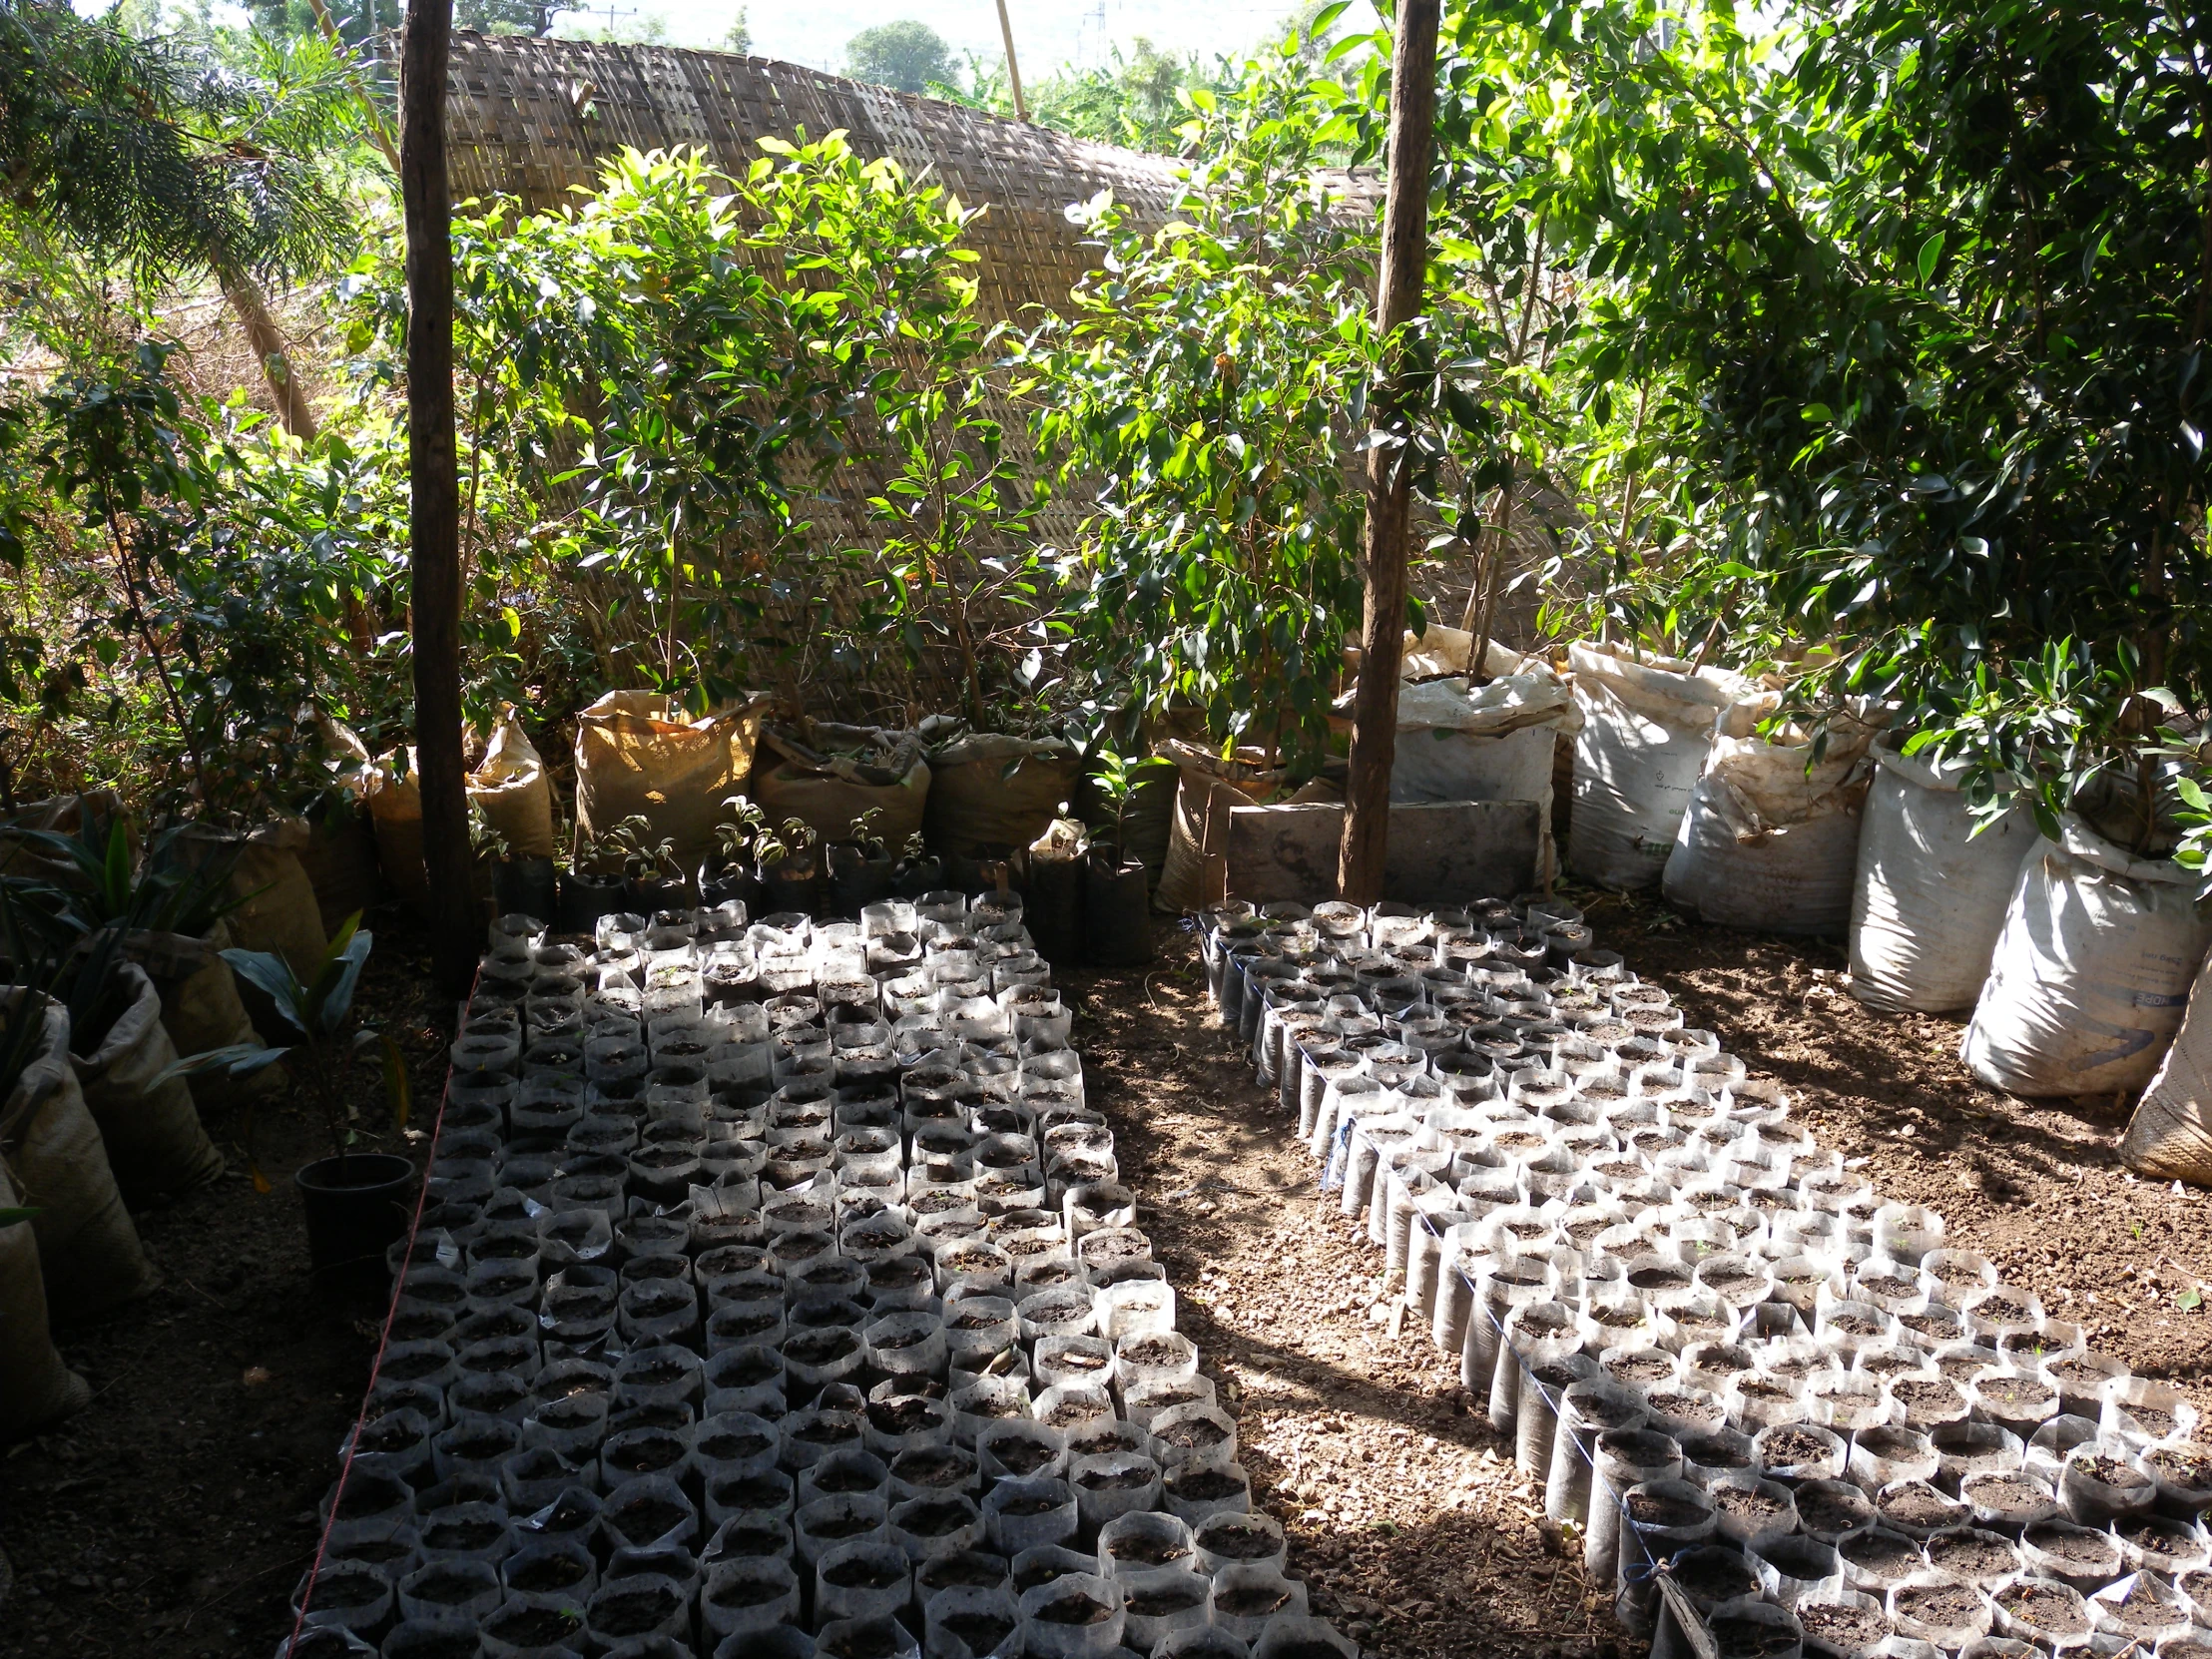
329,1042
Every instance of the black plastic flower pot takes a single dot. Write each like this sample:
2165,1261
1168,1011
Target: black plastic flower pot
1052,907
857,880
525,886
974,871
1117,911
357,1207
662,895
585,899
912,878
720,883
789,885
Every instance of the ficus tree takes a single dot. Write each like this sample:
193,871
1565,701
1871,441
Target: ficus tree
1916,291
1206,388
674,396
954,569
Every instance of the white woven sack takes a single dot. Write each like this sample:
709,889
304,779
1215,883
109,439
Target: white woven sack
1645,729
1928,898
2170,1135
2091,974
1460,742
1769,841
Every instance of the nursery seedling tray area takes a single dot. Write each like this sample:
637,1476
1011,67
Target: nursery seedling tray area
175,1514
820,1309
1475,1082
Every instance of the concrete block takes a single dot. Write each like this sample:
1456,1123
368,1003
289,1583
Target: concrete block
1441,853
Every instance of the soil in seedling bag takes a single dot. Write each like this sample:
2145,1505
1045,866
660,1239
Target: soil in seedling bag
988,790
151,1129
1767,844
88,1250
35,1386
1928,898
827,776
2170,1135
2091,974
637,752
1646,726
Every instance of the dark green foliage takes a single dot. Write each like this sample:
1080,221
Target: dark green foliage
157,160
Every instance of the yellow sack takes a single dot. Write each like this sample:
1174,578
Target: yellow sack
638,753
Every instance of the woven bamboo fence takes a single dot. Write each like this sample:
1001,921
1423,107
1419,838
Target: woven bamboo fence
532,119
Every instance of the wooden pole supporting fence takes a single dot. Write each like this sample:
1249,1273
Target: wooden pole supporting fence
1013,69
1366,844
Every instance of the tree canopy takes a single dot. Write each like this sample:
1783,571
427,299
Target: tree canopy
907,56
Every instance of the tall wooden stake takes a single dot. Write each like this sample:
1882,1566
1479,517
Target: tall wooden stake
1366,834
1013,69
434,476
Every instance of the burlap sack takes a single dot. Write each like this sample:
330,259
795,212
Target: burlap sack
35,1386
507,783
88,1250
341,854
341,860
510,788
637,754
61,815
395,818
991,790
1194,876
201,1009
151,1129
278,912
816,778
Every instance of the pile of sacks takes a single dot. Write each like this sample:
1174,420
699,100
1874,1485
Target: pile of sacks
776,1293
1716,1351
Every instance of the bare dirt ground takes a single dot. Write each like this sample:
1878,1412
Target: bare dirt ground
1406,1515
175,1514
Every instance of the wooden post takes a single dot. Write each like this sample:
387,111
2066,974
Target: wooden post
1360,855
436,507
1013,69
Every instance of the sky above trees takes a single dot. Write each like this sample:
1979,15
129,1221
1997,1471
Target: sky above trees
1047,33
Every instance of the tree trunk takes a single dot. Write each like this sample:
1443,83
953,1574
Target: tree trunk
1493,584
270,351
435,506
266,337
1367,832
